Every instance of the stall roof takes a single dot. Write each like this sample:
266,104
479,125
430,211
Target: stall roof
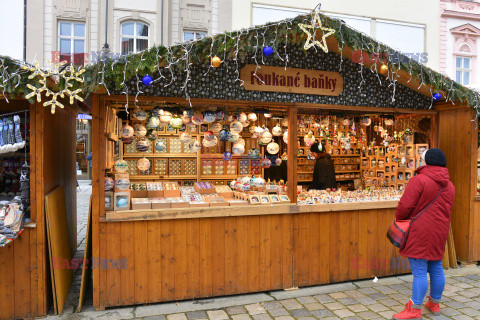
110,73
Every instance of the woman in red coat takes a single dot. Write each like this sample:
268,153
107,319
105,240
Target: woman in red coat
428,235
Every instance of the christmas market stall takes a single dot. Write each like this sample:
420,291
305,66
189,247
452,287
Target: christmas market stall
37,154
202,161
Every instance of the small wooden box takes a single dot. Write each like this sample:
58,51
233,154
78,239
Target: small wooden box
141,204
199,204
108,201
179,203
160,203
121,201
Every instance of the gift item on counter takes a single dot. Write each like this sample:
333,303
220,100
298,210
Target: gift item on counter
11,220
322,196
121,201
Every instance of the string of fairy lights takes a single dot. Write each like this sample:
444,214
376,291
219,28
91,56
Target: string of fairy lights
269,41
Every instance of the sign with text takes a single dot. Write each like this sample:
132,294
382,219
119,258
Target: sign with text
277,79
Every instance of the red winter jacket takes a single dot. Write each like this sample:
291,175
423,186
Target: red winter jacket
428,234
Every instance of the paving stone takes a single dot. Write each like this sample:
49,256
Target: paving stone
277,312
368,290
291,304
322,313
355,294
161,317
385,289
367,301
343,313
324,298
357,308
389,302
263,316
285,318
196,315
305,300
387,314
454,304
300,313
470,312
338,295
333,306
177,316
241,316
217,315
314,306
367,315
272,305
353,318
473,304
473,276
378,296
460,298
236,310
255,309
377,307
306,318
463,317
347,301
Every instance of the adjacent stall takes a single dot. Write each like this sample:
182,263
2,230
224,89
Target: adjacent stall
200,171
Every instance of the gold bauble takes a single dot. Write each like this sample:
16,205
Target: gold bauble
383,69
216,62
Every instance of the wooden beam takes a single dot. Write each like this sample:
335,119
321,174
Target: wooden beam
362,109
292,177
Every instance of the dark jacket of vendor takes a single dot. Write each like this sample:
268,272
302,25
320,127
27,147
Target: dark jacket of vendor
324,171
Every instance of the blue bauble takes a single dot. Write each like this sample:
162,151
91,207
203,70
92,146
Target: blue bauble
224,134
147,80
268,51
227,156
437,96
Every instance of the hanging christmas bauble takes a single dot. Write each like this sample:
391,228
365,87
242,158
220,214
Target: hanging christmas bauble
185,137
152,134
143,164
278,161
127,132
252,117
165,117
266,163
216,62
157,111
241,141
389,122
209,135
242,117
227,156
268,115
309,139
186,119
189,113
197,119
122,184
258,131
366,121
273,148
348,146
236,127
140,131
437,96
284,122
176,122
346,122
266,137
121,166
143,145
383,69
277,130
224,134
140,114
216,127
238,148
285,137
267,51
109,184
233,137
147,80
208,116
245,124
160,146
127,140
153,122
219,115
254,153
194,146
210,143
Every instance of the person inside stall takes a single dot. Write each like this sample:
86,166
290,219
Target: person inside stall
324,171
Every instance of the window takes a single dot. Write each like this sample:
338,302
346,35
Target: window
406,37
134,37
463,70
193,35
71,42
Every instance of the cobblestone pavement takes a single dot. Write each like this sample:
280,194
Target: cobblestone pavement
350,300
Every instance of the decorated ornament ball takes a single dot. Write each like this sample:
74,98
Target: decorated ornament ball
109,183
273,148
383,69
238,148
176,122
437,96
267,51
140,114
224,134
209,135
236,127
147,80
121,166
143,164
233,137
197,119
185,137
227,156
216,127
165,117
285,137
127,132
194,146
254,153
277,131
252,116
209,116
216,62
153,122
143,145
266,163
278,161
160,146
140,131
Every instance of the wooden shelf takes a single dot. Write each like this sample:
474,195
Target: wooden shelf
162,177
218,177
348,171
160,155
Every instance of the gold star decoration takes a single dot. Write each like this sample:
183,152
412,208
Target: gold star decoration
316,24
69,74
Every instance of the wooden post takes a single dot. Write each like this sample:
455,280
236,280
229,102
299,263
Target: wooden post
292,177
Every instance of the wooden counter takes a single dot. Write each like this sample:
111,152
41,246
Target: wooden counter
236,211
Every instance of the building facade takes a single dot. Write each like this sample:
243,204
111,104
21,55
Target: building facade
409,25
459,41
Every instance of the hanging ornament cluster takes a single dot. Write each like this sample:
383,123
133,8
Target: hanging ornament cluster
10,135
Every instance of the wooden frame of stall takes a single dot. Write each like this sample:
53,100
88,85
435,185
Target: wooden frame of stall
149,256
24,266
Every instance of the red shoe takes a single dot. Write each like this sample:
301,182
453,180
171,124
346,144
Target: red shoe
408,313
432,306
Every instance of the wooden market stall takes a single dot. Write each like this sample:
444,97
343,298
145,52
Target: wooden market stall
24,267
180,249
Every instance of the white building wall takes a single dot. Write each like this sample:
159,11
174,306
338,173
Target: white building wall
11,29
48,35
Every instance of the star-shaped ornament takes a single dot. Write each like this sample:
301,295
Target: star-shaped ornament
316,24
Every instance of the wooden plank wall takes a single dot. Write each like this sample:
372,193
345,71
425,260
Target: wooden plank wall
476,232
166,260
457,137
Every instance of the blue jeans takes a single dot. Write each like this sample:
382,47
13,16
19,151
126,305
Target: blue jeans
419,268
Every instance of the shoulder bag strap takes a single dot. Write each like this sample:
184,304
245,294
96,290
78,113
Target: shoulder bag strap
428,206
